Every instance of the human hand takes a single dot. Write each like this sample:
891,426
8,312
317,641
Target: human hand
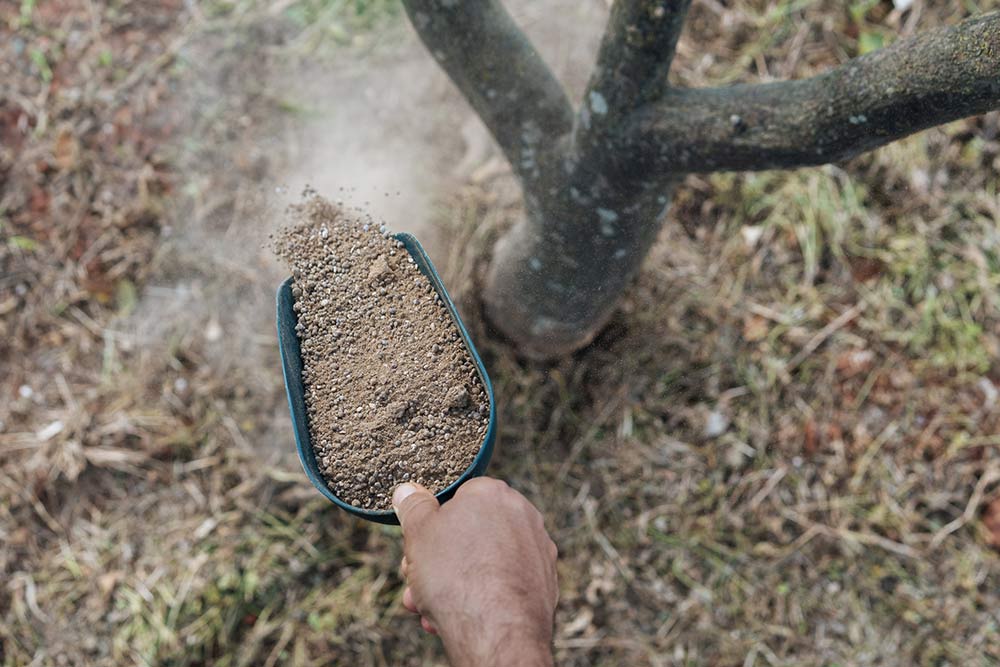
481,572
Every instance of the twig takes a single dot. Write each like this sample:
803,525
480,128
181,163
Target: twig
768,488
605,543
841,320
869,539
596,425
971,508
869,455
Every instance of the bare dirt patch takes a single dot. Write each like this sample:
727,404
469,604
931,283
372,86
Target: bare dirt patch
392,394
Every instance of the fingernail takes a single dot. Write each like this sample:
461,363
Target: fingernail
402,492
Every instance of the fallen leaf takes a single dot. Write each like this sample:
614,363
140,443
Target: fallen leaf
811,437
869,41
66,150
100,288
864,269
53,339
20,537
834,432
755,328
107,582
38,201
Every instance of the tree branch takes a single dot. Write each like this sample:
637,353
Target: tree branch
633,62
499,72
930,79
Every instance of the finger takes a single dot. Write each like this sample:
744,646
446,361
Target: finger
413,503
427,625
404,568
408,602
486,485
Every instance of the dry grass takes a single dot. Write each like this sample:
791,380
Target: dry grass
783,450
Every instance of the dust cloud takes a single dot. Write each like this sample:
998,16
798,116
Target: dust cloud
395,134
386,133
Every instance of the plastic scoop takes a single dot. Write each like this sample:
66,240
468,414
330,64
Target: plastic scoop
291,366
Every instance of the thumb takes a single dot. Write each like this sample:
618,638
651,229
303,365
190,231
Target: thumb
413,503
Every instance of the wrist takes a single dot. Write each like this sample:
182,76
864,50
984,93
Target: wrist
501,645
522,654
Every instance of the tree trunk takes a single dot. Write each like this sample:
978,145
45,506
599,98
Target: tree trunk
556,277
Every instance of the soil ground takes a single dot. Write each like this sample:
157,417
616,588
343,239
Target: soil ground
783,451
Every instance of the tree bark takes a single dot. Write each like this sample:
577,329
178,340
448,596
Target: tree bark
929,79
500,73
556,277
632,67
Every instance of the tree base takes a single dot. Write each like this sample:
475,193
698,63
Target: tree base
537,338
548,312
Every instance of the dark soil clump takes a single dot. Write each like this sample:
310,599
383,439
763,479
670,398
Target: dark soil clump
392,394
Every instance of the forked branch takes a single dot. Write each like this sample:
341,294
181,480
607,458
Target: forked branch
633,62
930,79
499,72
